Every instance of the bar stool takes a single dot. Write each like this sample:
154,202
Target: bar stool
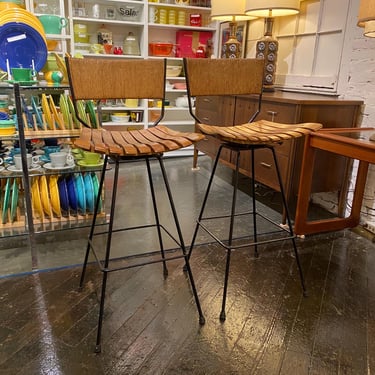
102,79
219,77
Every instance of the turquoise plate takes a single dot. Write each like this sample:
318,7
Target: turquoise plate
81,195
95,184
89,191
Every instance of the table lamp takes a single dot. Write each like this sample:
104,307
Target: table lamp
366,17
232,11
267,47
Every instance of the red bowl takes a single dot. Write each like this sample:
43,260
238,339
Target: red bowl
161,49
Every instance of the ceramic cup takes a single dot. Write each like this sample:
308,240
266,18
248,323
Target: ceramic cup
131,103
29,158
172,17
52,24
61,159
181,17
163,16
48,150
91,158
23,74
153,14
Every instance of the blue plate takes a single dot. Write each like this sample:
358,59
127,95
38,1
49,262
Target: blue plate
89,190
21,44
81,195
72,193
63,193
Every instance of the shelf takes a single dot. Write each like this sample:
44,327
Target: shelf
108,21
180,27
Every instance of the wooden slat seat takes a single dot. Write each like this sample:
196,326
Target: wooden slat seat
259,132
150,141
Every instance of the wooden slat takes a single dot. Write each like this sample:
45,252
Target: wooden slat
168,144
113,147
156,147
128,149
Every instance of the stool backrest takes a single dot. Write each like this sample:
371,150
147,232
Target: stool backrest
222,77
105,78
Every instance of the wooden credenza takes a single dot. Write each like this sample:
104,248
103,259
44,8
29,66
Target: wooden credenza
330,173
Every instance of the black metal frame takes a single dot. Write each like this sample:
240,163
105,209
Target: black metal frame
104,265
228,243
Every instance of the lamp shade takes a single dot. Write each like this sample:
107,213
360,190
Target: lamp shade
366,17
272,8
229,10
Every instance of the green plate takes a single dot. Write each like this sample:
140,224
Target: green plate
92,115
14,204
64,108
6,201
73,113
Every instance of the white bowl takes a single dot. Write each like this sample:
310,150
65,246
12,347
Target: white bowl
120,118
174,70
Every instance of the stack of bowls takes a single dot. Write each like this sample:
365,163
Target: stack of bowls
22,39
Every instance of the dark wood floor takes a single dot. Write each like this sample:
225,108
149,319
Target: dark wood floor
151,326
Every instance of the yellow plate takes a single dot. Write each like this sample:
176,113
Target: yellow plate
35,198
54,194
20,15
47,112
62,67
56,114
43,188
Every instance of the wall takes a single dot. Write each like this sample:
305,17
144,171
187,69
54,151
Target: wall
357,81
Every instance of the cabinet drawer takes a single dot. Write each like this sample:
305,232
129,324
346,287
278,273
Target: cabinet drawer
214,110
265,171
210,145
278,112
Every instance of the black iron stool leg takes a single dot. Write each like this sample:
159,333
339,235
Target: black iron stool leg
156,215
107,257
182,244
205,200
285,204
254,209
93,223
230,236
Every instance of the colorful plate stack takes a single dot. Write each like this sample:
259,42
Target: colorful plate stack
69,194
22,39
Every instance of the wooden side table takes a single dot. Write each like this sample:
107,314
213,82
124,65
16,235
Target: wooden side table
353,143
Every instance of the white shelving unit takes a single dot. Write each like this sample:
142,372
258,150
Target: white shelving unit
121,18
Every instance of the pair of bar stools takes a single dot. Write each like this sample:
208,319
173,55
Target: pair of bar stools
101,79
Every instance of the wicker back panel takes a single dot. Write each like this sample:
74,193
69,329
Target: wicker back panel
103,78
213,77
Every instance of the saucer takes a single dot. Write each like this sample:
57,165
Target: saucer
23,83
82,163
33,167
49,166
